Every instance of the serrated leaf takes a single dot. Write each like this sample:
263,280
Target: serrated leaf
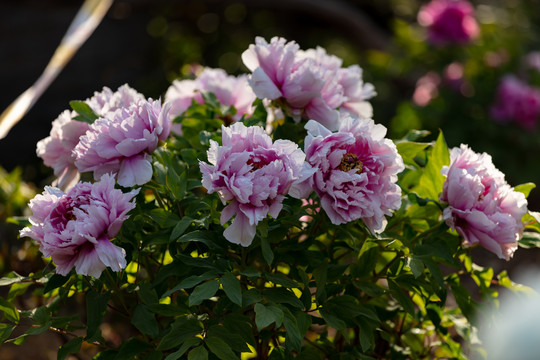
220,348
145,321
232,288
203,292
71,347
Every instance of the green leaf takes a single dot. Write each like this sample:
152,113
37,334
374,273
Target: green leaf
529,240
525,189
409,150
185,347
131,348
5,281
176,183
180,228
231,336
191,281
153,355
9,310
18,289
182,329
241,325
84,111
282,296
231,286
267,251
5,331
164,218
332,320
40,315
96,307
417,266
203,292
71,347
431,181
145,321
404,300
198,353
220,348
266,315
205,237
283,280
294,336
189,156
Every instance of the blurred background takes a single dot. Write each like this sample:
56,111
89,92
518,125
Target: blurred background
149,43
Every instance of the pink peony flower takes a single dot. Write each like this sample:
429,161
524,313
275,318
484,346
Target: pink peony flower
108,101
75,229
482,207
56,149
355,172
121,142
311,83
449,21
517,101
253,175
229,90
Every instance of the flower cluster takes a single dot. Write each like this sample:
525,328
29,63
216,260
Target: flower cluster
119,141
311,84
517,101
75,228
449,21
482,207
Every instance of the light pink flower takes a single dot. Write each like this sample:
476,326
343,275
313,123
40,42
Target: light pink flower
355,172
449,21
56,149
427,88
121,142
75,229
311,84
517,101
108,101
229,90
253,175
482,207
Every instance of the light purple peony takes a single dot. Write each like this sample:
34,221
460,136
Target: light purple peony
56,149
253,175
482,207
108,101
517,101
449,21
311,84
229,90
75,229
121,142
355,172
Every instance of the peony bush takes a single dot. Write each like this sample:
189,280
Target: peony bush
277,221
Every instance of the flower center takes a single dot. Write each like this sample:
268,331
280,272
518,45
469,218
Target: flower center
350,161
256,163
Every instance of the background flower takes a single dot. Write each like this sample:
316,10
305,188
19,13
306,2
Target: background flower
253,175
355,171
76,229
483,208
449,21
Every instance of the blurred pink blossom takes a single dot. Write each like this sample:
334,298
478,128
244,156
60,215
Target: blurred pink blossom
449,21
229,90
121,142
517,101
253,175
355,172
482,207
75,229
426,88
